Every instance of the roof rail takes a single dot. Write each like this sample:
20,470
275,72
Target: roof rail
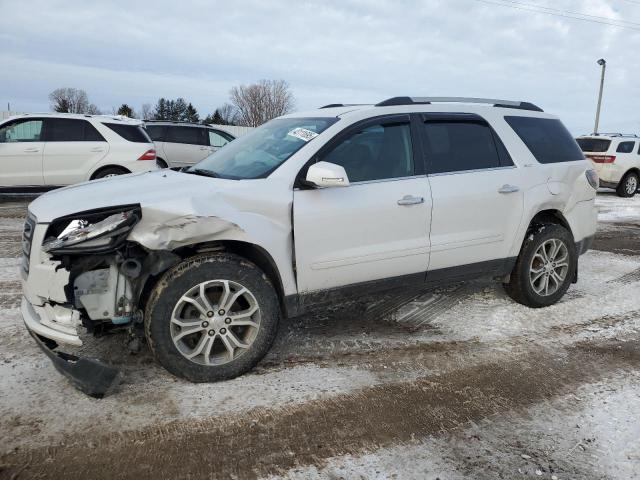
627,135
429,100
172,121
334,105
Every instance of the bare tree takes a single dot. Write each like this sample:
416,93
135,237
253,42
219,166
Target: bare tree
72,100
146,112
258,103
228,114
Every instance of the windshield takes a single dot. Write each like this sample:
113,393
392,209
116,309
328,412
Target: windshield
260,152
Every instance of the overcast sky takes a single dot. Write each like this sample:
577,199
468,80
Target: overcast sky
352,51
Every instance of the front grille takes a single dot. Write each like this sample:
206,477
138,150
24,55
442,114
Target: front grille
27,237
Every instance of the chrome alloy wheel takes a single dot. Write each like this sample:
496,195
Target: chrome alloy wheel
631,185
549,267
215,322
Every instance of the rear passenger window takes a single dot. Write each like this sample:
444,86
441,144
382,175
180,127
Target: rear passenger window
547,139
625,147
376,152
189,135
456,146
71,130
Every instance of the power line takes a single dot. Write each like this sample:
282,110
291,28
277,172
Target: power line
597,17
556,14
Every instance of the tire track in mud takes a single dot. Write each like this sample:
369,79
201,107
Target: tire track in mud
272,441
10,293
631,277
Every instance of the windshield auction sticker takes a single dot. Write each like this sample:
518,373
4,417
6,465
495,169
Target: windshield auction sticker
303,134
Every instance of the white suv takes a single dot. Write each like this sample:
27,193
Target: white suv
40,151
180,144
300,212
616,158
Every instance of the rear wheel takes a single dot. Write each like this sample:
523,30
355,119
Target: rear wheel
212,318
628,185
110,172
545,267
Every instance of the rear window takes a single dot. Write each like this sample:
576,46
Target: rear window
156,132
548,139
599,145
132,133
625,147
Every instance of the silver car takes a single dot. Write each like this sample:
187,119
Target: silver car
181,144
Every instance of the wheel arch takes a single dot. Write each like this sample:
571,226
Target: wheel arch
250,251
96,172
549,216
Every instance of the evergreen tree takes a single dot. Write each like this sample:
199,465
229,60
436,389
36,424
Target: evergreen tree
192,114
161,112
126,110
61,105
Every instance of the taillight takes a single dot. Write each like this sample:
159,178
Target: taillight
148,155
592,178
602,158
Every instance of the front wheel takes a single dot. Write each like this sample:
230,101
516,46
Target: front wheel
212,317
628,185
545,267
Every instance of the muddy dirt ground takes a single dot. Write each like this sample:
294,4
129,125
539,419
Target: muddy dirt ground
458,383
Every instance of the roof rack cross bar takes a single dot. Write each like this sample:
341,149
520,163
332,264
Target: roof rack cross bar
428,100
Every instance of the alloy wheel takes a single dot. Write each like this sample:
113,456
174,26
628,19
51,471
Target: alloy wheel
631,185
215,322
549,267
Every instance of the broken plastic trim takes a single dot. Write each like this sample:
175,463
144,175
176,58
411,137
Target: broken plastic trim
88,375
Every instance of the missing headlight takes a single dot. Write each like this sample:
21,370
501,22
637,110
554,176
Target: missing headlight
91,232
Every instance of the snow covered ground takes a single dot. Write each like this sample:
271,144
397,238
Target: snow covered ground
452,384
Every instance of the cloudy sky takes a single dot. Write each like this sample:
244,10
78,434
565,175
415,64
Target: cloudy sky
352,51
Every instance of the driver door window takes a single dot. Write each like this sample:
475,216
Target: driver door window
376,152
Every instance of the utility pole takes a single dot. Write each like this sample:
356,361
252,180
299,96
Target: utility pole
603,63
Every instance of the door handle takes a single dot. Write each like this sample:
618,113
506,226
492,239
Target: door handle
506,188
32,149
96,150
410,200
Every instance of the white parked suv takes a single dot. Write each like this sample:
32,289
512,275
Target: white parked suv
41,151
302,211
616,158
181,144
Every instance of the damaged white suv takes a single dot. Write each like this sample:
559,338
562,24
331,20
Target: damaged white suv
304,210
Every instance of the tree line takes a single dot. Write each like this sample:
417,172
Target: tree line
249,105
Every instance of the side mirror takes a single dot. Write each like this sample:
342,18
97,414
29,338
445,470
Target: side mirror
325,174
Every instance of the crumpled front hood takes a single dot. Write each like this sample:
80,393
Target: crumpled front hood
181,209
145,189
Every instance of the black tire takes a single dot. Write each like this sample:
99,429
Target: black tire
110,172
626,186
188,274
519,287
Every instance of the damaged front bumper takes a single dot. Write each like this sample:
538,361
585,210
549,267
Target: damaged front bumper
88,375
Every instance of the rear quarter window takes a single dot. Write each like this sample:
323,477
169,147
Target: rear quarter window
132,133
596,145
625,147
546,138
